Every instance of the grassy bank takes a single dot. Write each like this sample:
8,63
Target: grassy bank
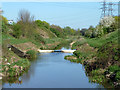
100,56
13,65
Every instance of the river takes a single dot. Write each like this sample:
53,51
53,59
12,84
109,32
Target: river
51,70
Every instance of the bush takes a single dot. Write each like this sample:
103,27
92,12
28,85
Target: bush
4,24
69,31
4,27
94,34
77,53
17,30
97,76
42,24
114,68
117,75
83,31
32,54
107,21
88,33
57,33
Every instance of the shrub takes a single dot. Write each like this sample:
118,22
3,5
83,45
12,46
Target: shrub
57,33
94,34
107,21
69,31
77,53
88,33
83,31
97,76
42,24
17,30
117,75
4,24
114,68
32,54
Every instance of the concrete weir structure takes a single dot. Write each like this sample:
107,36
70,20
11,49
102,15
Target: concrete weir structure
45,51
49,51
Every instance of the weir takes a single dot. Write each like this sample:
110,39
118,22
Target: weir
49,51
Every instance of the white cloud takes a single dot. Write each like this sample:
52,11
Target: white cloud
57,0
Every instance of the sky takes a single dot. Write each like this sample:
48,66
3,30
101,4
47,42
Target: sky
73,14
57,0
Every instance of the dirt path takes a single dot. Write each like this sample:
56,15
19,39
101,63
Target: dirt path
72,43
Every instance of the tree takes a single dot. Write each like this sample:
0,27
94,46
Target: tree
107,21
83,31
91,28
25,17
94,34
88,33
67,30
26,21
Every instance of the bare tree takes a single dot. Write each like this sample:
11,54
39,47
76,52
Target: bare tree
25,17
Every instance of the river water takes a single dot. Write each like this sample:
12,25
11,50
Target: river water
51,70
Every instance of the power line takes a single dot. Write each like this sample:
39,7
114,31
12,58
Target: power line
110,8
107,8
104,8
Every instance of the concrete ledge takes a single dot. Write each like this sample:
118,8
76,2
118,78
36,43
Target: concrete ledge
45,51
68,51
49,51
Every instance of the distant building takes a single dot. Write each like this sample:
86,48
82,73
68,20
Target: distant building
10,21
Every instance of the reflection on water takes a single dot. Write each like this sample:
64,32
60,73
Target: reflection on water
0,84
51,70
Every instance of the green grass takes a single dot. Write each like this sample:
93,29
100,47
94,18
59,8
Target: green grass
23,63
32,54
13,40
114,68
98,42
78,43
63,43
18,41
97,76
52,40
6,36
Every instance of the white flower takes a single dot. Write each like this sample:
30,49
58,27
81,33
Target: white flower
6,59
10,49
8,63
107,21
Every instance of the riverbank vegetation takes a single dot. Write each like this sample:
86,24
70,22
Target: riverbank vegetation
21,41
100,54
96,47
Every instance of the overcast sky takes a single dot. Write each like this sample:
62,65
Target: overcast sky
57,0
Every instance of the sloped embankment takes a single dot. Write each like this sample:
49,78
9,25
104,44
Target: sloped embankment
16,63
102,64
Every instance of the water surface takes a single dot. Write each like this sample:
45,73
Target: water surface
51,70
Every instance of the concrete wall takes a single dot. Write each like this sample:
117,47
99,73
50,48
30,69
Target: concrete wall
17,51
